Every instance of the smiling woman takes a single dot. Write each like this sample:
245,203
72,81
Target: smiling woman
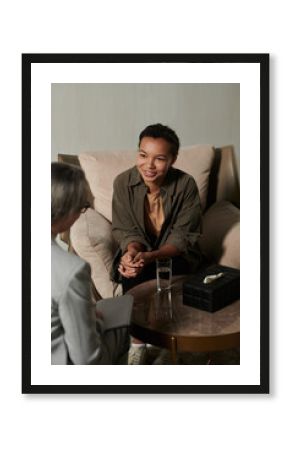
156,211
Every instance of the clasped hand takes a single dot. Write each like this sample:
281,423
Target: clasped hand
132,263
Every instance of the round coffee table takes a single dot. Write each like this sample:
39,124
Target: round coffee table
163,320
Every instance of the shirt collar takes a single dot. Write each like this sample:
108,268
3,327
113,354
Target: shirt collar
135,177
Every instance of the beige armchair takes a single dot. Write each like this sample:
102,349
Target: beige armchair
215,172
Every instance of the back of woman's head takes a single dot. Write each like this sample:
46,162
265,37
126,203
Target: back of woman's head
70,191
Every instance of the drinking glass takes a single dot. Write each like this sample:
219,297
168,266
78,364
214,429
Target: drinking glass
163,306
163,274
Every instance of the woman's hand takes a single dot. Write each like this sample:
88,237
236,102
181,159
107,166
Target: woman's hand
128,267
144,258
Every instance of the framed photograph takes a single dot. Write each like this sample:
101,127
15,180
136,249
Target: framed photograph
76,106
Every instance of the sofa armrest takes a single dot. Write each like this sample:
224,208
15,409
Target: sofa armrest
220,240
91,238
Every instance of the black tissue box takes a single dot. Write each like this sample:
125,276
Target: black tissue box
213,296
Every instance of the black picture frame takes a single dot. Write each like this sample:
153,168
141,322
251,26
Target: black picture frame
263,61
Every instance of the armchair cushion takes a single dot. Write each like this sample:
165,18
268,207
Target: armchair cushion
220,240
101,168
92,239
197,160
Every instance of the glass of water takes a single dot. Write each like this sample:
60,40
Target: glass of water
163,274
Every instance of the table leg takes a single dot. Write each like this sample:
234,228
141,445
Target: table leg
173,349
209,359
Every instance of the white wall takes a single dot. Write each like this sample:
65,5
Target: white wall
110,116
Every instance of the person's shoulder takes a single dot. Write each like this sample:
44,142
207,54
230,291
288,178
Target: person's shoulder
65,261
182,177
125,177
67,268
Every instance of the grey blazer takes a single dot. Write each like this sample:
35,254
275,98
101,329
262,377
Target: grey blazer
77,336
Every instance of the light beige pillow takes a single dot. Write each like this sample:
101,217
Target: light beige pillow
197,161
220,240
92,240
101,168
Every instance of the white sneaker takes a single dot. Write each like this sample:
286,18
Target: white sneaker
137,355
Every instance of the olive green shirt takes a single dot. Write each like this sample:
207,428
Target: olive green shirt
182,213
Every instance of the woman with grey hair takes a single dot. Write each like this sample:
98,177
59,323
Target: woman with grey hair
82,332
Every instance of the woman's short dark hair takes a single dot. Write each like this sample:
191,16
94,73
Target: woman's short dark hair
162,131
70,191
